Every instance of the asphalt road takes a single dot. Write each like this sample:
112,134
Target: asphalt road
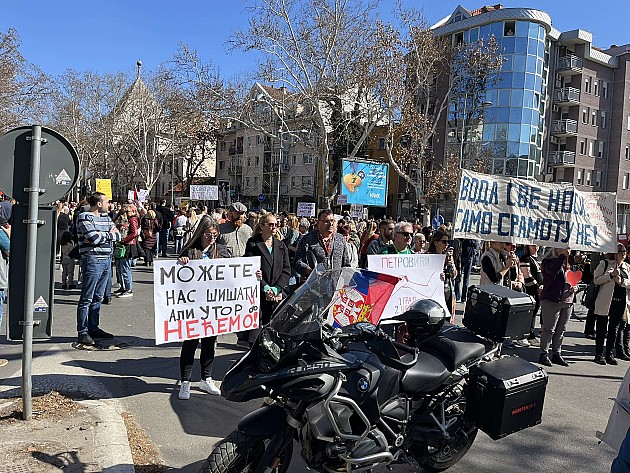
143,377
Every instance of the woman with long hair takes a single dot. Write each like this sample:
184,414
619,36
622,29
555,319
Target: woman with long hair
150,229
202,245
275,268
439,246
368,235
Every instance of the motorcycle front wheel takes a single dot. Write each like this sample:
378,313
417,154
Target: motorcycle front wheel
240,453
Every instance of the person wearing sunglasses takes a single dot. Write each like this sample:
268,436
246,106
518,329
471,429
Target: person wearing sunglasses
439,246
275,268
202,245
403,237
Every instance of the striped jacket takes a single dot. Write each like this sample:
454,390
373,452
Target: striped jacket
93,232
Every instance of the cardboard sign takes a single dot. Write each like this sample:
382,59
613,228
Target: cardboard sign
104,186
306,209
529,212
356,211
142,195
420,275
206,297
204,192
342,199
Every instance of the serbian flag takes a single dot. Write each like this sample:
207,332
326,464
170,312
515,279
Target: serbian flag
361,296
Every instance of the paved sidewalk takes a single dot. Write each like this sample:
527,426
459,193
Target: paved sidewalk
92,439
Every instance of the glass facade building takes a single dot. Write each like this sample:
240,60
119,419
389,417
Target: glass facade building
510,129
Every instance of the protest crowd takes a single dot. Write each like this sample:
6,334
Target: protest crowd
99,242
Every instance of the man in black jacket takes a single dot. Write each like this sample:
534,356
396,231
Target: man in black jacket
321,245
167,218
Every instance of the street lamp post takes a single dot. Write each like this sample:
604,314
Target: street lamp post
281,134
172,168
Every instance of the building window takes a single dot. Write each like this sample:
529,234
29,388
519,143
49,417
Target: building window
585,113
598,178
588,178
292,182
602,119
579,176
600,149
247,182
627,152
223,146
508,28
596,87
308,159
594,118
587,85
306,181
381,143
625,180
257,160
605,89
221,165
583,142
591,149
628,127
294,159
249,161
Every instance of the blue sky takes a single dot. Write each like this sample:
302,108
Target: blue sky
111,35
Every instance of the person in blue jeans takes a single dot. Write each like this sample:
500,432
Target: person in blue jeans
95,232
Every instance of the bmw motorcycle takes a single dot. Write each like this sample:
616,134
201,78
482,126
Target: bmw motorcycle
352,397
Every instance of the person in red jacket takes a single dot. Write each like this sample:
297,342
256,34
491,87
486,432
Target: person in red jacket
131,252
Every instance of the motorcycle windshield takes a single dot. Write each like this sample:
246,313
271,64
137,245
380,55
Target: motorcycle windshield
338,297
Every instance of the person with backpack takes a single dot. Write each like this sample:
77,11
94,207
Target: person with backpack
611,306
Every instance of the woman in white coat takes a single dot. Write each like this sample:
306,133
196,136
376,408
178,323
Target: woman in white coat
612,275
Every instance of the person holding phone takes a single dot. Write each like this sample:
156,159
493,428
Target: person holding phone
439,245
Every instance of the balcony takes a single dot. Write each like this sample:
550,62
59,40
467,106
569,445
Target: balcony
564,127
561,158
567,96
569,65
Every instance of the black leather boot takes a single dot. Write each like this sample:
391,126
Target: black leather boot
610,359
625,344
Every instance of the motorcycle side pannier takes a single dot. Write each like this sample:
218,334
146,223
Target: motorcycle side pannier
505,396
498,313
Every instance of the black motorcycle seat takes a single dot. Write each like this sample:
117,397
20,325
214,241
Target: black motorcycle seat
427,374
458,344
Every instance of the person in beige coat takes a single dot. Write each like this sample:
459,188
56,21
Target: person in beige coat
612,275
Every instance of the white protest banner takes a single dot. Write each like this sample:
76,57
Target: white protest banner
204,192
306,209
356,211
205,297
142,195
520,211
420,275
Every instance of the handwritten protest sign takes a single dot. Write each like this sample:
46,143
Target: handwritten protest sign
104,186
204,192
205,297
420,275
306,209
521,211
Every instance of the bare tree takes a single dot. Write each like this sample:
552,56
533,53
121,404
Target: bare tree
23,86
313,48
197,99
413,77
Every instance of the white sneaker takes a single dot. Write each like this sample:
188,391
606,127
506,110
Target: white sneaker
208,386
184,390
522,343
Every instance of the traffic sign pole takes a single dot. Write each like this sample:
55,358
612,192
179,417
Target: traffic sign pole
33,192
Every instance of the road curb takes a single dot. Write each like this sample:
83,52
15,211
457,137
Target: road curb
51,372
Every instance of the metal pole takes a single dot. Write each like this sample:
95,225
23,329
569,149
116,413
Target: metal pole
461,144
172,168
278,187
31,257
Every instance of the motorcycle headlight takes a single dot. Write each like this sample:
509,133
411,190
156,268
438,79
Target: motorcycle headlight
271,347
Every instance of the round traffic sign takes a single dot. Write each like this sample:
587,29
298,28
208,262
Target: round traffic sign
438,221
261,197
59,164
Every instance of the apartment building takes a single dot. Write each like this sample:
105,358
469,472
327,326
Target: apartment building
270,157
560,110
